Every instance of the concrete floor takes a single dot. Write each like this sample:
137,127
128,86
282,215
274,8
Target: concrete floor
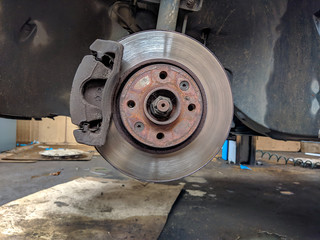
218,202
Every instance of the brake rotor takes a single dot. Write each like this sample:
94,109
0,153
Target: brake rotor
173,110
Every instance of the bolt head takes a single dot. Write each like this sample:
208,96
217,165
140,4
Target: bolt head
161,106
190,3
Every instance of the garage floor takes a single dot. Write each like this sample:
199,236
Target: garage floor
272,201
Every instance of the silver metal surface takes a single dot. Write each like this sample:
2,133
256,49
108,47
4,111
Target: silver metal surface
156,46
184,4
168,14
184,25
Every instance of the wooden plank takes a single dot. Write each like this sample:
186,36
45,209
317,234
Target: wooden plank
70,128
52,130
269,144
23,131
58,130
34,130
310,147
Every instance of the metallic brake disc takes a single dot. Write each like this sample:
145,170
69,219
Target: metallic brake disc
173,110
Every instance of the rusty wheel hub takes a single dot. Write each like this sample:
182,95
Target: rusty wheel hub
161,105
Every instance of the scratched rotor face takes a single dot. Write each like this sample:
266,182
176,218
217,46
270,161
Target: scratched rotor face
173,111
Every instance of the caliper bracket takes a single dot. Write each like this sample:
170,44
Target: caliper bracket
92,92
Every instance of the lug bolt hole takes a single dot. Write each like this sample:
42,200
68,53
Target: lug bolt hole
131,104
184,85
160,135
163,74
138,126
191,107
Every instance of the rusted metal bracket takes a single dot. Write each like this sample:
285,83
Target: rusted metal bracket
92,91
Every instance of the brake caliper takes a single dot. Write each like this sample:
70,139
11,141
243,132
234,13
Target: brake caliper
92,92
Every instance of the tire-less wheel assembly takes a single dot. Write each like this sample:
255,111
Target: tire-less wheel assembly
157,105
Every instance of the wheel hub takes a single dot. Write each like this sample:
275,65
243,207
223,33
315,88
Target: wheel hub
161,105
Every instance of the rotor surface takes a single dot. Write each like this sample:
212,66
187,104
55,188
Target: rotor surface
127,149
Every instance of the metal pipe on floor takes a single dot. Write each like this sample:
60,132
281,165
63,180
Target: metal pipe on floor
168,14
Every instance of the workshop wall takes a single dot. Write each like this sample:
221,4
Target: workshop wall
57,130
7,134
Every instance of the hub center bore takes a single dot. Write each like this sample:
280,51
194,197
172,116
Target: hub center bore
161,105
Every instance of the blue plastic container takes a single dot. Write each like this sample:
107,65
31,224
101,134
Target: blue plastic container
225,150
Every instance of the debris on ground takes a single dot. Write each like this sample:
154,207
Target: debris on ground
288,193
196,193
244,167
55,173
259,163
47,174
